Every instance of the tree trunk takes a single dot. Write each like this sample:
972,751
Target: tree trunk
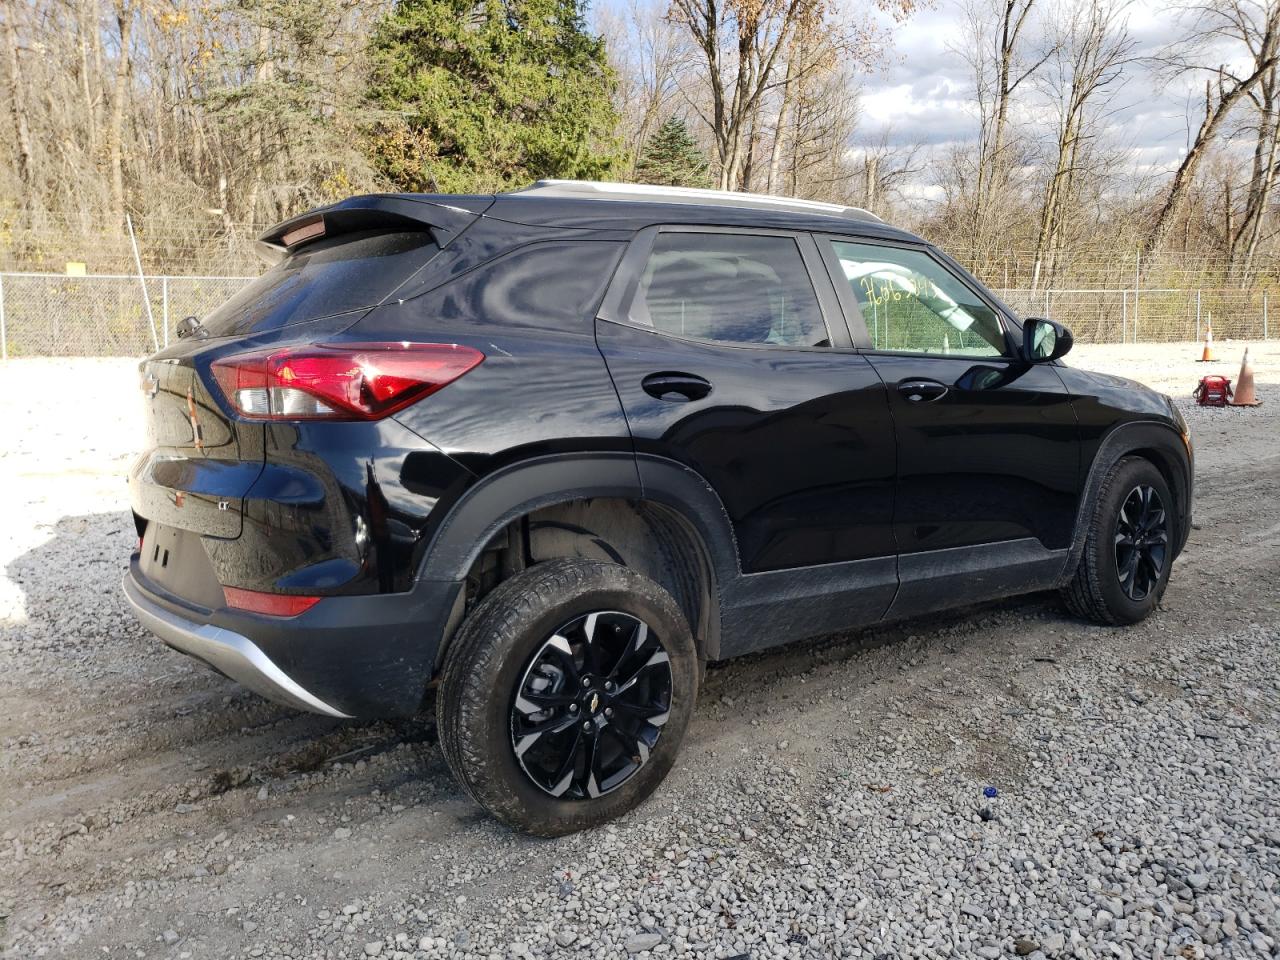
265,72
730,150
749,162
870,181
992,168
1264,202
1214,115
752,67
1260,183
1049,214
21,129
1059,192
779,136
115,132
87,28
1002,89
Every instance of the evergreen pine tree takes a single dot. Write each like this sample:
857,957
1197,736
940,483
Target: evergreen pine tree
481,95
671,157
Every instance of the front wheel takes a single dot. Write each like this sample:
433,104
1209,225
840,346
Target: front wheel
567,694
1128,551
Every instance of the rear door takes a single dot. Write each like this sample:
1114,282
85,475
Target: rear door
730,356
988,470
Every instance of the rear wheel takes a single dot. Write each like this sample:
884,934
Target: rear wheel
567,694
1128,552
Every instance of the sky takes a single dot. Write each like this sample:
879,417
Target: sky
922,93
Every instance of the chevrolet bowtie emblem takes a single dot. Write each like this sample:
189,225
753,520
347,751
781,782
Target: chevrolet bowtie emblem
150,385
595,702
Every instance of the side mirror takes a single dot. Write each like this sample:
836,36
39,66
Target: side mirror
1044,340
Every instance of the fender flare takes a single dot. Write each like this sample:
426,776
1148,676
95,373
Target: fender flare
1156,436
520,488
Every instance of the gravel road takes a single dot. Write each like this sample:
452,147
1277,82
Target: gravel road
830,801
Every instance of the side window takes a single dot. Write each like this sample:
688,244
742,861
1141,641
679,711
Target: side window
910,302
732,288
551,285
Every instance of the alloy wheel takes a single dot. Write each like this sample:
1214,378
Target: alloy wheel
591,705
1142,542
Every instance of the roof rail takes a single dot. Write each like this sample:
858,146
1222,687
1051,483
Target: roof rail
601,190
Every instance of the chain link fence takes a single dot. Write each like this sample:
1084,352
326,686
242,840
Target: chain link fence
53,315
1138,315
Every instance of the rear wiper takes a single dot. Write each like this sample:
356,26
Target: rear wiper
191,327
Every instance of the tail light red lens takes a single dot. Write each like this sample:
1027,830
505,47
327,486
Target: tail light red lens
339,381
271,604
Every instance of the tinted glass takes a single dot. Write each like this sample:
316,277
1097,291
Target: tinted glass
731,288
332,276
910,302
556,285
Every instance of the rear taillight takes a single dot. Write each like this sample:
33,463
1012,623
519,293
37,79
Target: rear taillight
339,381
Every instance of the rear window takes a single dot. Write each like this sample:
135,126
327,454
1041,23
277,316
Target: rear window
344,273
730,288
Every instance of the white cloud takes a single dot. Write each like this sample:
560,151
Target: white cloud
923,94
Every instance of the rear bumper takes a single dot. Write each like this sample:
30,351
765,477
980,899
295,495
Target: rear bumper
362,656
226,651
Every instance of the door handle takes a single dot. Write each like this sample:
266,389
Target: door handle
676,387
922,391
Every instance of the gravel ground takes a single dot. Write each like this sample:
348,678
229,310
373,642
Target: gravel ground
830,801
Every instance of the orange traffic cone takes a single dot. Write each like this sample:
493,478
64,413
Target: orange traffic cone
1207,355
1245,396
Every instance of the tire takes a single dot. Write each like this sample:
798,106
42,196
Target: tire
1099,591
504,653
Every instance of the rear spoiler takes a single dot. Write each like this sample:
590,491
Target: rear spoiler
373,212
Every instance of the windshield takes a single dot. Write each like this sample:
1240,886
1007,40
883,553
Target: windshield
332,276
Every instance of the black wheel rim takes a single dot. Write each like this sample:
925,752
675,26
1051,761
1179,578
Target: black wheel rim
1142,542
591,705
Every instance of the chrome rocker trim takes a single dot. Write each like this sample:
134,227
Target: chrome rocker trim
229,652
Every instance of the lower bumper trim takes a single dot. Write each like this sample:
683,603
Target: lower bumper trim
234,655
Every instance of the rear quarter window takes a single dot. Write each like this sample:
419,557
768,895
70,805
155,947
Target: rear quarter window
552,284
335,275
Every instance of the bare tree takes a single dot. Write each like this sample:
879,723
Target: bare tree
1245,239
818,161
1245,234
886,170
15,92
789,85
1089,53
741,44
1253,26
808,53
119,101
111,106
994,45
650,55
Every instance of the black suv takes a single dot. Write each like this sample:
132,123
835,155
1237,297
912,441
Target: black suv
553,450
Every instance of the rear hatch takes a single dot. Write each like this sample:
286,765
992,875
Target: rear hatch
200,462
191,481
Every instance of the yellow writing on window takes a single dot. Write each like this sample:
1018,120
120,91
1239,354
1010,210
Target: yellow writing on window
880,291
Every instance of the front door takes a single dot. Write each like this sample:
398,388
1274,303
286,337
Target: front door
731,355
988,450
